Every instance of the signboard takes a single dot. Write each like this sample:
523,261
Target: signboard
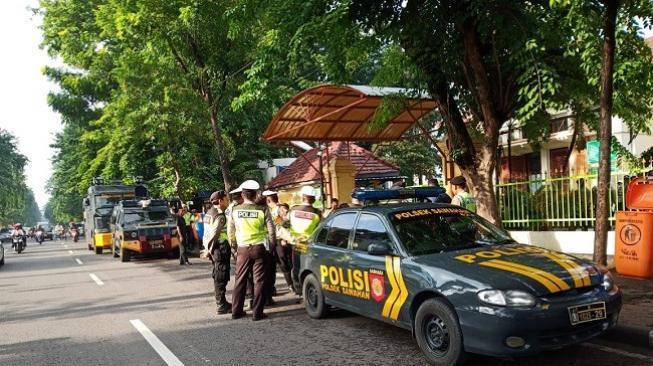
593,155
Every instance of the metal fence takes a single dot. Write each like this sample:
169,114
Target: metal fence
565,203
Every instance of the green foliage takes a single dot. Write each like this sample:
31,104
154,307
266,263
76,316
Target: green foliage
16,200
413,156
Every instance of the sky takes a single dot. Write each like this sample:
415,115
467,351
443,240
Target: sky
24,110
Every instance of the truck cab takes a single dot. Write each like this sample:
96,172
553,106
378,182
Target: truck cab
143,227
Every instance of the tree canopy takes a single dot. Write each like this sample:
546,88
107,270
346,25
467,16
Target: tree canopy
180,91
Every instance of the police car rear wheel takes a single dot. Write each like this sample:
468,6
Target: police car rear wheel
438,333
313,297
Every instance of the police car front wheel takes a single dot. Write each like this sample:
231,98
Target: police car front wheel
313,297
438,333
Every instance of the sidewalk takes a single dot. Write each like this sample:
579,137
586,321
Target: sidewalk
637,310
636,318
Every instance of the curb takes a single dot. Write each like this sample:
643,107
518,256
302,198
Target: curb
631,335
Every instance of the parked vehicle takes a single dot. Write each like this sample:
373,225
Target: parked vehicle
143,228
98,206
459,283
5,235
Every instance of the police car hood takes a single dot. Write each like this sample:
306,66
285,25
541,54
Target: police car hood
517,267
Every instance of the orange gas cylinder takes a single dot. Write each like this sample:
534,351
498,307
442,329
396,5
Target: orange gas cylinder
634,231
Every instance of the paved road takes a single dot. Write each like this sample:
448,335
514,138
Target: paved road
53,312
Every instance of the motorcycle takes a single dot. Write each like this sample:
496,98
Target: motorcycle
39,236
18,242
75,234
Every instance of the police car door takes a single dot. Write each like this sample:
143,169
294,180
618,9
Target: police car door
332,256
381,296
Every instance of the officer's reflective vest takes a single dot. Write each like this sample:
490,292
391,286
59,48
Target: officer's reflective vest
188,218
249,221
467,201
303,223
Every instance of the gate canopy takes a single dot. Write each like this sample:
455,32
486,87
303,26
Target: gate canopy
343,113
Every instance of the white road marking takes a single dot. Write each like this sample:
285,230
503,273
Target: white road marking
96,279
79,261
168,357
70,252
618,351
65,246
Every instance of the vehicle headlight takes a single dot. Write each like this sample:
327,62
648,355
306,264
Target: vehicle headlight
608,282
134,235
510,298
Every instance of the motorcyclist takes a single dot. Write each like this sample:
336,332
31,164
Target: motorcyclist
72,229
60,231
39,234
18,232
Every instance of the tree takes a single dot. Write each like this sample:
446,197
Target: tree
12,179
608,45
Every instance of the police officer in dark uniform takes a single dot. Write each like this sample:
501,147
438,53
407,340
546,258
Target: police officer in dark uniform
216,246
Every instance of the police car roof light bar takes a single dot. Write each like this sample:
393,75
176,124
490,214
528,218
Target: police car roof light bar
395,194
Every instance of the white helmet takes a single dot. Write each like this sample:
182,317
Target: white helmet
308,191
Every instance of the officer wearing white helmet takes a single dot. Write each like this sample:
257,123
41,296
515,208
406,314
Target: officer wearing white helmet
304,218
249,227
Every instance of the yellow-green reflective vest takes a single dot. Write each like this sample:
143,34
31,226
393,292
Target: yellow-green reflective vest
303,223
467,201
188,218
249,221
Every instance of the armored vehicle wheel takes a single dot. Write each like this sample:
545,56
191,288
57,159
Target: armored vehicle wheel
313,297
98,250
438,333
125,255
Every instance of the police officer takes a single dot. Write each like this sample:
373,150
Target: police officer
304,218
216,246
461,196
250,226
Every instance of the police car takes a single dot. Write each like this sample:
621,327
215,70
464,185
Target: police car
459,283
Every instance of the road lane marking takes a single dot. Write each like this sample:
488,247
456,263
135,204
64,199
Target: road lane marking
618,351
79,261
70,252
96,279
168,357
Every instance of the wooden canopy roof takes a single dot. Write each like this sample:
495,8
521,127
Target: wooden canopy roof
343,113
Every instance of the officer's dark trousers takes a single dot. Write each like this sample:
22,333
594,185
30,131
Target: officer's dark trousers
282,256
250,259
183,256
221,268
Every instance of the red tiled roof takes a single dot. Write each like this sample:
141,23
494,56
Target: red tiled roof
306,167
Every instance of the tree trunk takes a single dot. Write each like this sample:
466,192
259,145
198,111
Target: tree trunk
174,151
605,132
225,165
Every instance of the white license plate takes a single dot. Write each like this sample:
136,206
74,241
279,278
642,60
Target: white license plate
586,313
156,244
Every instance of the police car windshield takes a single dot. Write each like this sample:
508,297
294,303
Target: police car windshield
133,217
436,230
106,200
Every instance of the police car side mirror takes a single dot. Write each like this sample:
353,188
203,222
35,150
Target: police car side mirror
378,249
